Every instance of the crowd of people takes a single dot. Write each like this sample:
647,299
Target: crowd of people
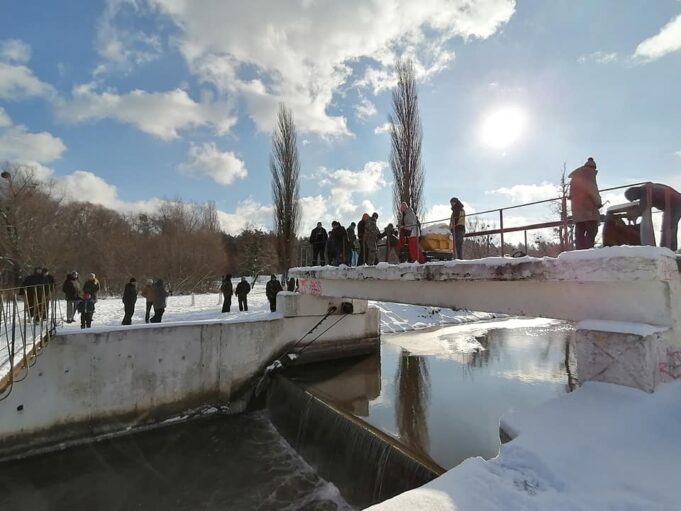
357,244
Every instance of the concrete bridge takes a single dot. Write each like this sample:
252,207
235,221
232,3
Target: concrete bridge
625,301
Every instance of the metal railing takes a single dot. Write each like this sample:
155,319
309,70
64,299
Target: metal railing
28,320
564,222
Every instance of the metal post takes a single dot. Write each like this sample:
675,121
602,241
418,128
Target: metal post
525,241
563,220
501,228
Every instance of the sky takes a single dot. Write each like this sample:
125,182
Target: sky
127,103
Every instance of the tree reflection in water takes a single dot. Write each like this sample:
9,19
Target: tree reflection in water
413,393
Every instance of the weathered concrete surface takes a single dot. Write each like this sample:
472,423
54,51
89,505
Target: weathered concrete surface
639,285
92,383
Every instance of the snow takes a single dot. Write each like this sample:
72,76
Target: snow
622,327
442,229
604,446
448,342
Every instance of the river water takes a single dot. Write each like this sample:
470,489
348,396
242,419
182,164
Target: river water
442,392
236,462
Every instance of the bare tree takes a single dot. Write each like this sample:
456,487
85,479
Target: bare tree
285,168
406,136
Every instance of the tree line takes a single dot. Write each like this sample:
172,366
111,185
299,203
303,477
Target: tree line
180,242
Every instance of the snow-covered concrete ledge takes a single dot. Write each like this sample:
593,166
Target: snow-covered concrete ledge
603,446
639,286
92,383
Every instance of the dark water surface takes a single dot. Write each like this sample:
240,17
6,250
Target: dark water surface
446,401
222,462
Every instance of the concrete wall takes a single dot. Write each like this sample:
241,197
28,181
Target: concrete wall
639,286
91,383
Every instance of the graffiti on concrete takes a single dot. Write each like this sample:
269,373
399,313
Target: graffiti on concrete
310,286
672,367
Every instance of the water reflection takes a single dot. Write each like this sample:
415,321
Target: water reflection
413,387
442,391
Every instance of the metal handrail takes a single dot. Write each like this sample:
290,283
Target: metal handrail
28,321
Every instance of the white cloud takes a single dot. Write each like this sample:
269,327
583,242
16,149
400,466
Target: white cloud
4,118
117,44
678,153
527,193
383,128
303,53
365,109
18,144
667,40
15,50
160,114
344,184
247,213
600,57
18,81
207,160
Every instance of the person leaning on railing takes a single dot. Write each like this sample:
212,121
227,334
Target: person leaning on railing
410,226
34,293
457,225
667,200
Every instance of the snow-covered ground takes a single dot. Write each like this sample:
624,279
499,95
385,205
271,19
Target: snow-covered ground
108,315
602,447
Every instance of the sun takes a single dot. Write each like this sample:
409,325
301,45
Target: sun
503,127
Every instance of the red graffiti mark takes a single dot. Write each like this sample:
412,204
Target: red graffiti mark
310,287
672,367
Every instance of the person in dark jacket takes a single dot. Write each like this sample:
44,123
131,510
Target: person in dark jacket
92,286
342,246
129,300
71,289
272,290
227,292
457,226
242,290
160,296
33,287
148,294
291,285
86,307
318,239
392,243
360,238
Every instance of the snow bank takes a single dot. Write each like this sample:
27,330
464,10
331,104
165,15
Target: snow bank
603,446
622,327
450,341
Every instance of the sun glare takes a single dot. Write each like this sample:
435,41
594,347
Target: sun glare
503,127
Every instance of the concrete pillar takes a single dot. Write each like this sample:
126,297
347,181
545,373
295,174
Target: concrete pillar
631,354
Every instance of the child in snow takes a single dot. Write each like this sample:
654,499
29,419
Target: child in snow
86,308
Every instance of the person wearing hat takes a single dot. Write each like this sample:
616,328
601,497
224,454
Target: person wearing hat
457,225
129,300
91,286
148,294
86,307
71,289
271,290
586,202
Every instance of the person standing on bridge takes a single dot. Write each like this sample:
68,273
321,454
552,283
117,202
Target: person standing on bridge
410,226
457,225
71,289
318,239
86,307
586,202
242,290
148,294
